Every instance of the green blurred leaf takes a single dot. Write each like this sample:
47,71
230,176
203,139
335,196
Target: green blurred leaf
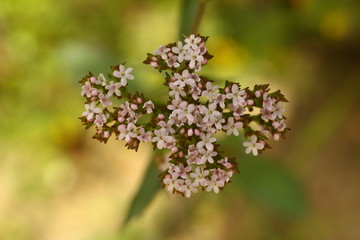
149,186
187,17
263,181
268,184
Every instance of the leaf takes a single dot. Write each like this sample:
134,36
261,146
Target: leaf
149,186
268,184
187,16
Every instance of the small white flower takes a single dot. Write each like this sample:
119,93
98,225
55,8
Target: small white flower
194,57
207,141
192,41
199,176
123,74
91,109
104,100
207,155
172,183
144,136
162,51
113,88
176,91
232,127
211,91
214,184
277,111
162,138
237,96
280,126
189,188
253,146
127,132
87,89
100,120
149,106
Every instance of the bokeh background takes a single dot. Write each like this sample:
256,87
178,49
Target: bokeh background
57,183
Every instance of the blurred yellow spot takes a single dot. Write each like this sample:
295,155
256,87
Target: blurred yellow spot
229,56
335,25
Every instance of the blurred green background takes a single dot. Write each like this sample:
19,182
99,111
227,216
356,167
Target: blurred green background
57,183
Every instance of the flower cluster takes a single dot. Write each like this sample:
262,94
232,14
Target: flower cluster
196,110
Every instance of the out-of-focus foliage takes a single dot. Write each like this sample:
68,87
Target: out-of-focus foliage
57,183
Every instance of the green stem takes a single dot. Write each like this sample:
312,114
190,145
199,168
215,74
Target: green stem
199,16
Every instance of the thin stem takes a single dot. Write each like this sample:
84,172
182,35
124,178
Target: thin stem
199,15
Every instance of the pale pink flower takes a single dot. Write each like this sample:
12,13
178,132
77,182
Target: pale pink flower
123,74
172,183
199,176
127,132
100,120
253,146
176,91
237,96
280,126
144,136
180,51
232,127
181,171
214,184
210,114
162,138
104,100
188,188
194,57
162,51
91,109
268,102
211,91
167,125
207,141
192,41
113,88
207,155
149,106
277,111
87,89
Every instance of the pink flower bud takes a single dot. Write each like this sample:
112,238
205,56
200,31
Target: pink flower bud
134,106
106,134
155,59
237,118
93,99
139,100
197,132
200,85
154,64
227,89
181,154
161,116
93,80
182,131
95,92
121,119
257,93
174,149
173,79
190,132
204,62
250,102
276,137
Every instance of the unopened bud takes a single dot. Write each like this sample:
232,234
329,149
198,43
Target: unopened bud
190,132
276,137
197,132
